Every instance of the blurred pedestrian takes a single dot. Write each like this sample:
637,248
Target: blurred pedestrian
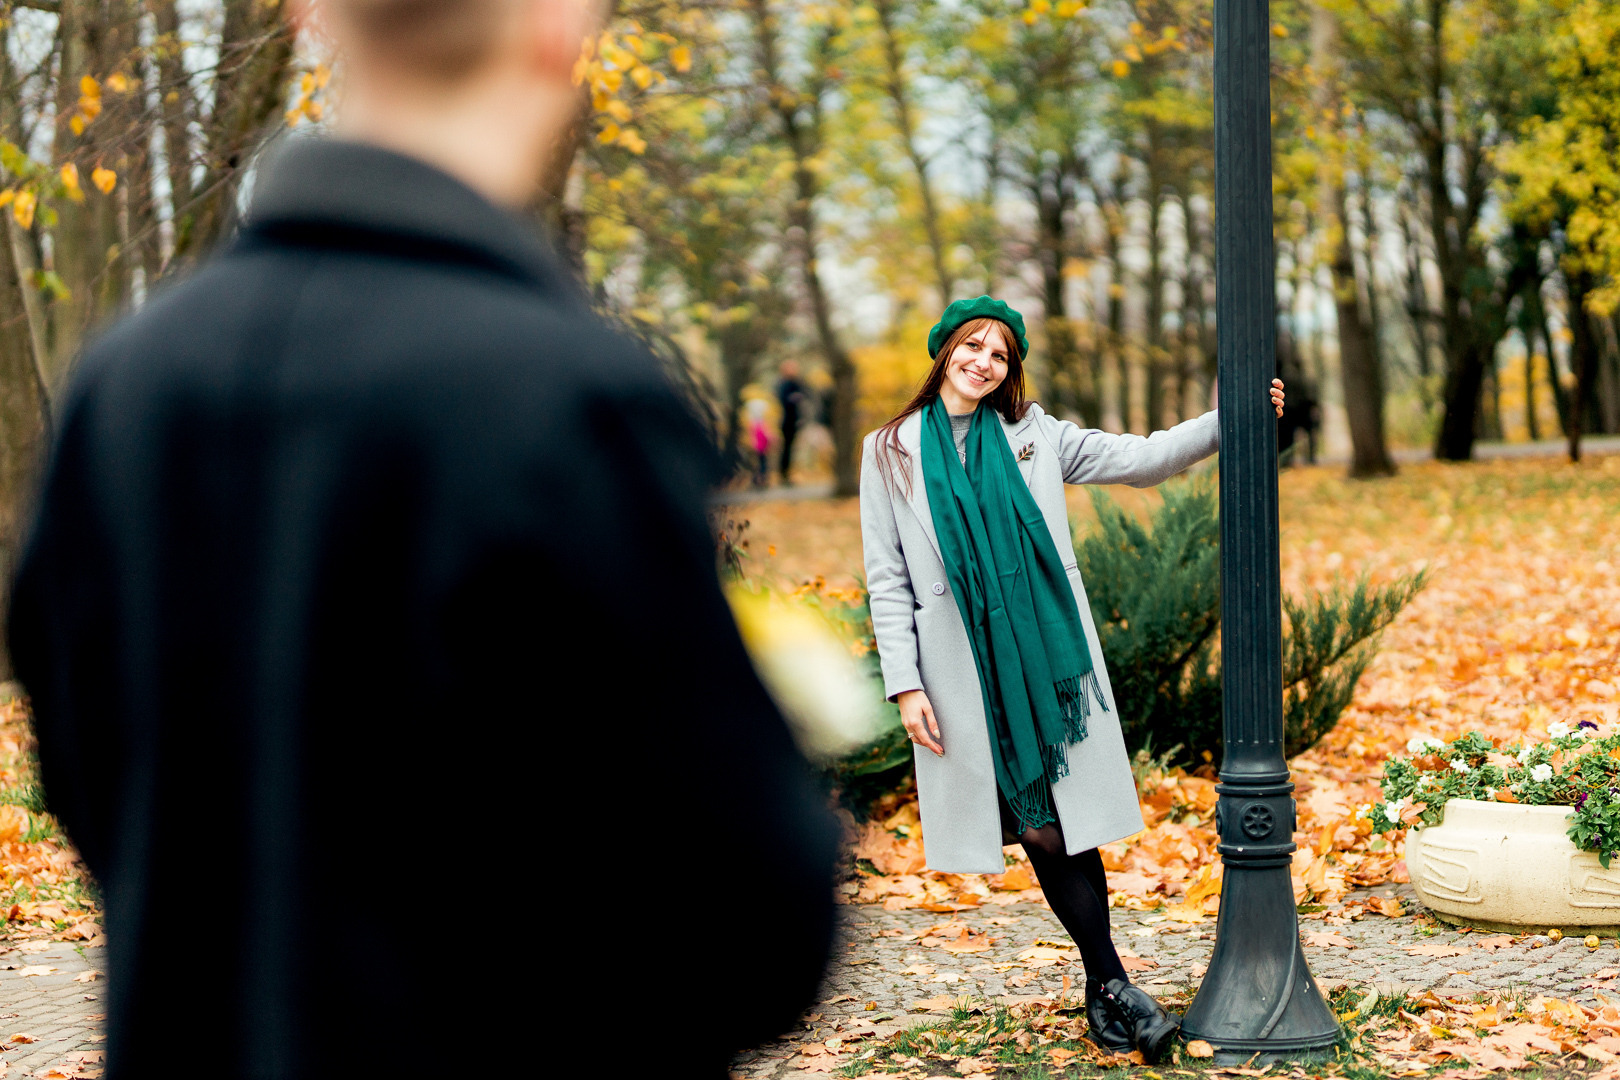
346,551
793,396
759,440
986,640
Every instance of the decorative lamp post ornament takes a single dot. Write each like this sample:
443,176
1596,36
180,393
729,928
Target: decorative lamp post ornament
1258,995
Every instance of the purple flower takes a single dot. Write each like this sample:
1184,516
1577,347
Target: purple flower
1587,724
1580,800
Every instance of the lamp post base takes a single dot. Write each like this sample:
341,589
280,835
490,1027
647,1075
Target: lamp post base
1258,996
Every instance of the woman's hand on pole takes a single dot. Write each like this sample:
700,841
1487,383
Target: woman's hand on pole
918,717
1277,395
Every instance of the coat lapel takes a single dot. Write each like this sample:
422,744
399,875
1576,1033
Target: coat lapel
910,434
1021,435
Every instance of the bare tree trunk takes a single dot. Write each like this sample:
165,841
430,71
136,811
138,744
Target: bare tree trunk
1360,367
1561,404
255,58
1155,288
1582,355
803,138
1052,190
1114,222
895,86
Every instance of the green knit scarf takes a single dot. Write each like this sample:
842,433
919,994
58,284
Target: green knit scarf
1028,642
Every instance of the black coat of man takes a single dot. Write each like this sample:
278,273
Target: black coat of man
381,672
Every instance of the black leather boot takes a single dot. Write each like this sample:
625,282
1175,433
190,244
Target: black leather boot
1152,1026
1105,1028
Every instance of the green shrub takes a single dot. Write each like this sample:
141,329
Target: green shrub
1155,595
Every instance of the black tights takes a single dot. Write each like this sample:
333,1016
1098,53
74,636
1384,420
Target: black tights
1077,889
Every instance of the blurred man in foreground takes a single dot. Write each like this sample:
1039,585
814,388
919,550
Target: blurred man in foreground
371,625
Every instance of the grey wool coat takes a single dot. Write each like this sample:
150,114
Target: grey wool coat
922,643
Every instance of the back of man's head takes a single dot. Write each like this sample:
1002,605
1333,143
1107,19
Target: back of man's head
438,39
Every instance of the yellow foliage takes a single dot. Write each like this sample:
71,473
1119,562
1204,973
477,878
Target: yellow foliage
118,83
23,208
608,134
89,87
6,196
70,182
681,57
1121,69
104,179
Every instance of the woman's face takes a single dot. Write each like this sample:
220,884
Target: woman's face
976,366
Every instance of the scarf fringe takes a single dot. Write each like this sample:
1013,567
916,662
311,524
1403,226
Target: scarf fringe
1033,805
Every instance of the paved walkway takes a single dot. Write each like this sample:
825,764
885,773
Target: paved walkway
889,972
52,1002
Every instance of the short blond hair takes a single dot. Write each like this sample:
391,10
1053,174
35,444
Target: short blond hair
444,39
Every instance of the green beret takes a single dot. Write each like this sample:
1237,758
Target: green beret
980,307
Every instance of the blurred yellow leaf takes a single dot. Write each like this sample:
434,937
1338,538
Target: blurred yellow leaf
1121,69
681,57
76,122
599,100
618,110
70,182
1279,30
13,823
89,87
104,179
118,83
6,196
612,80
632,141
90,107
608,134
641,75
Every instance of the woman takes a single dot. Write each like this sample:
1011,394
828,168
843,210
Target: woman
986,640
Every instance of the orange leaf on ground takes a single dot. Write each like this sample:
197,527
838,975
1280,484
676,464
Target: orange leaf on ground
1325,937
1198,1048
1491,944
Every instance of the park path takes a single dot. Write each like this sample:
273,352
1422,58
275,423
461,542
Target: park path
52,1010
888,961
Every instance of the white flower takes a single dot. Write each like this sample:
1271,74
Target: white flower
1541,773
1557,729
1579,732
1490,793
1524,755
1363,811
1423,744
1392,810
1460,766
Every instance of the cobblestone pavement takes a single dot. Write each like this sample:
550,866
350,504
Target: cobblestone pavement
881,959
51,1010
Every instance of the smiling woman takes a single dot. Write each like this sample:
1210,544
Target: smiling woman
986,639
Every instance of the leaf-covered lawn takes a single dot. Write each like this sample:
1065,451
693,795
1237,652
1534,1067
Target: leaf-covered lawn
45,890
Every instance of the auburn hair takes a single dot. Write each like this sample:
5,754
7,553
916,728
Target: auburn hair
1008,399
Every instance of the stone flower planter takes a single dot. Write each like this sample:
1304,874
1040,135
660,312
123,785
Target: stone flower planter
1504,866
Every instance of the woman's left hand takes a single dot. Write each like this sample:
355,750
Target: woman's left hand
1277,395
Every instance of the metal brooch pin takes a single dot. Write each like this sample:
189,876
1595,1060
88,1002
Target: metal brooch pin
1026,451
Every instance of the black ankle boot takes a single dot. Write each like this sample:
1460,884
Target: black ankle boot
1152,1026
1106,1029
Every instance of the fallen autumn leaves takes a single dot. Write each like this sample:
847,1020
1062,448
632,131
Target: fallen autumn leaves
44,888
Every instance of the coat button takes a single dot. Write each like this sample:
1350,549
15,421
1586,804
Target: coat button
939,588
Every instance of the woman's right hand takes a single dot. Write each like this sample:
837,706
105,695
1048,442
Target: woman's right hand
918,717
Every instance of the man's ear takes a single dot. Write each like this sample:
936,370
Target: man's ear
556,31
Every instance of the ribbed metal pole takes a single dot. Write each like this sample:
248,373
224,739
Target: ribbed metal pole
1258,995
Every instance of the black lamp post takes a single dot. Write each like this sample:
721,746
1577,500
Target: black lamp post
1258,996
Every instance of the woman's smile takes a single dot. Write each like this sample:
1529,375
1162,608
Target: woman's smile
976,367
